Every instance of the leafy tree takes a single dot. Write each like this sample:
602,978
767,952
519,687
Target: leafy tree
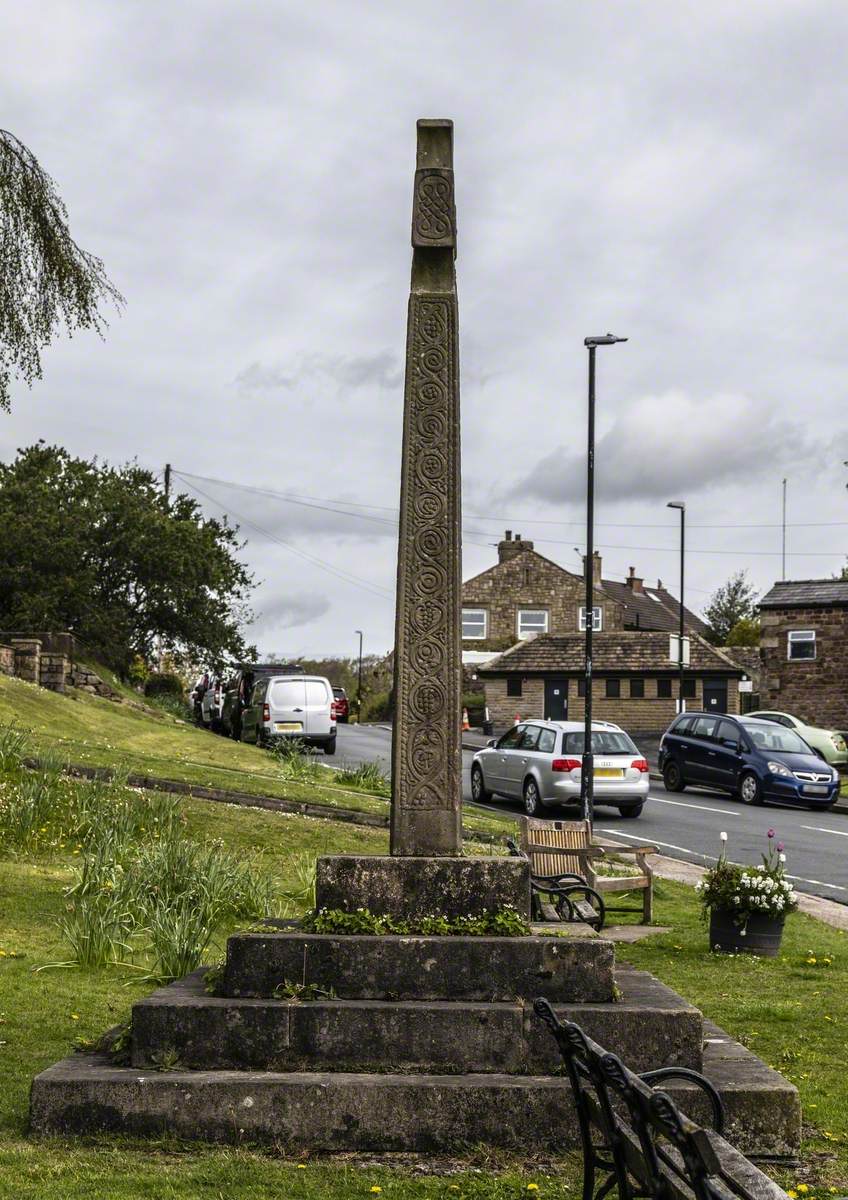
46,280
729,604
98,550
746,632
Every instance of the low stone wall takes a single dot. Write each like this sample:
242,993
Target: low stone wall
55,670
7,660
27,659
86,680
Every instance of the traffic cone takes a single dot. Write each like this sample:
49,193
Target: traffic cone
517,720
466,724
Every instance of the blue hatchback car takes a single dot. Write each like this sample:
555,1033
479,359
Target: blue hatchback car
752,759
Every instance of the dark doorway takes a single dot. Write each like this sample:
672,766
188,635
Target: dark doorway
715,695
556,699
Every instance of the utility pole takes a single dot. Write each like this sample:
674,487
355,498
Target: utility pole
587,773
167,482
359,682
680,504
783,550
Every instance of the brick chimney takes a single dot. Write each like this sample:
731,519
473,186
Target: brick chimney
634,582
511,547
596,568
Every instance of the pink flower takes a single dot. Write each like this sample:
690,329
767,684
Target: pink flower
780,846
770,833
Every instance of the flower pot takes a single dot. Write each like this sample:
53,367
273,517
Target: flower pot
761,934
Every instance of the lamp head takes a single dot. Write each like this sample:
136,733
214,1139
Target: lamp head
603,339
681,504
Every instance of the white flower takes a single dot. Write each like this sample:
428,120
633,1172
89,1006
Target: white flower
782,858
723,836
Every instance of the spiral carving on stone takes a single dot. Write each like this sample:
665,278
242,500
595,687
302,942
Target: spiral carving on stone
433,218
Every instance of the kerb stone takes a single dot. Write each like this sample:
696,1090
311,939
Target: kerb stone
416,887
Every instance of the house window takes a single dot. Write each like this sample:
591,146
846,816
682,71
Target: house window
532,620
688,689
526,576
613,689
474,624
597,619
801,643
637,689
581,687
664,689
513,686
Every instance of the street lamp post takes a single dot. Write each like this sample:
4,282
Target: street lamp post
359,681
680,504
587,774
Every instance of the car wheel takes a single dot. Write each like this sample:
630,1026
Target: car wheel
631,810
750,791
673,777
330,747
532,799
479,791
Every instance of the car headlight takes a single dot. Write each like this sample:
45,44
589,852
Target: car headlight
838,741
778,769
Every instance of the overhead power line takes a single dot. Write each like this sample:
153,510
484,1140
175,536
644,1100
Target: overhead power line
330,506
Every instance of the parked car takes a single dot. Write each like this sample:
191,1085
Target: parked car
342,705
830,742
541,763
195,696
212,704
748,757
291,706
239,688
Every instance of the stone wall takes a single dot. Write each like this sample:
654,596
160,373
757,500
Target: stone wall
27,659
816,690
7,660
653,714
86,680
525,579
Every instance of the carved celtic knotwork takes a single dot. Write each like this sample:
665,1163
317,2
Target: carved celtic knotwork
433,216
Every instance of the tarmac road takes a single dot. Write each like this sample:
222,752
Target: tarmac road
683,825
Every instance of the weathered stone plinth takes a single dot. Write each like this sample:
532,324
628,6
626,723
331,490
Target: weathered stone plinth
416,887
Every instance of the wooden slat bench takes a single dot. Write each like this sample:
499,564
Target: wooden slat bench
636,1139
565,847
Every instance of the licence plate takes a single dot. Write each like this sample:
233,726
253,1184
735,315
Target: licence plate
288,726
608,773
814,789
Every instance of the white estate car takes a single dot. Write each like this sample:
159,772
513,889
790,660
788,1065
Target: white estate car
541,763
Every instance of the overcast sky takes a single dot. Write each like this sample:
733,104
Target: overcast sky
674,172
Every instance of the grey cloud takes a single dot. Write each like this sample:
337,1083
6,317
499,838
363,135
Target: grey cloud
382,370
675,442
289,611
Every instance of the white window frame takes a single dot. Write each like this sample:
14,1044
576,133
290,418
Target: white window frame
524,634
597,618
796,637
475,637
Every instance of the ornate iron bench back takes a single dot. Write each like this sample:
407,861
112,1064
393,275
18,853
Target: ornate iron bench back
633,1131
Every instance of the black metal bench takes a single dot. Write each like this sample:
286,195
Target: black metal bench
564,897
636,1138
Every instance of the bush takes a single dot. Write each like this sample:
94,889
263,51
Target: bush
378,706
163,684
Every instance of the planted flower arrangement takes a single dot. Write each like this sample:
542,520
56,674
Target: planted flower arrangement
748,905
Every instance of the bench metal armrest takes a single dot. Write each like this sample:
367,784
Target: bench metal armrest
701,1081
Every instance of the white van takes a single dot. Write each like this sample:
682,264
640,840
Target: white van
291,706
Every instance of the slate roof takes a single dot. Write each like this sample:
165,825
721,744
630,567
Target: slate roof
652,608
807,593
627,651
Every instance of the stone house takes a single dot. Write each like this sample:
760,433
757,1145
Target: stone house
525,594
635,679
804,647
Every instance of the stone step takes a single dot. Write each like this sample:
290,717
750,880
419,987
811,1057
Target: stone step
87,1095
421,968
649,1025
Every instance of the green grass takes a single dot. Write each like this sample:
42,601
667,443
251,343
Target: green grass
43,1013
790,1011
96,732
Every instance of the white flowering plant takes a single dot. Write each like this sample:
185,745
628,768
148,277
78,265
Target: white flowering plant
745,892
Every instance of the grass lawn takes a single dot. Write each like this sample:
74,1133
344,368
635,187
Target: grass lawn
43,1013
95,732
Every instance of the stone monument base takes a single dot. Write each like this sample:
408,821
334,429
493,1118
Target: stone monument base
406,887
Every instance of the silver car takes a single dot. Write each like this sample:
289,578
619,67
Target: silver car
540,763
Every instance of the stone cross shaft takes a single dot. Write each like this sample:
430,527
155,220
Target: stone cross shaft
426,753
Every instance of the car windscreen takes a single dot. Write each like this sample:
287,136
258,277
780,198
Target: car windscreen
775,737
604,741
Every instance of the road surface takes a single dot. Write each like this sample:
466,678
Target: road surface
684,825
